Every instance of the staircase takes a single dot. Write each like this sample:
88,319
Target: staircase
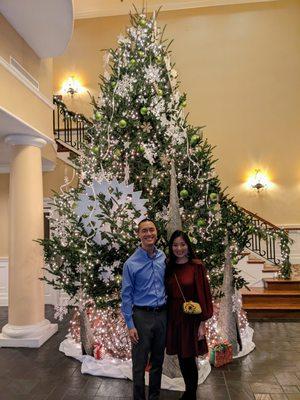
268,297
277,299
70,131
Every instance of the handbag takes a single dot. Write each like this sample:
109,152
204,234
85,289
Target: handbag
189,307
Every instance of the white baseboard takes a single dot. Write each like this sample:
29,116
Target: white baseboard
3,281
51,295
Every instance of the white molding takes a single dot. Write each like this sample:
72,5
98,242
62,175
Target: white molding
3,281
17,139
105,10
291,226
26,82
31,130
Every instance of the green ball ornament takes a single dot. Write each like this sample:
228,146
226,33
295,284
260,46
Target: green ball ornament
183,104
140,149
117,153
160,92
201,222
158,59
98,116
95,149
113,84
132,62
122,123
143,23
213,197
141,53
144,110
195,140
184,193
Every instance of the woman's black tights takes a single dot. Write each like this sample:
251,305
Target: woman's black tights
189,372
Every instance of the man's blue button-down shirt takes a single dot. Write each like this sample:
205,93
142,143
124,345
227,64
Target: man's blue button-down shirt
143,282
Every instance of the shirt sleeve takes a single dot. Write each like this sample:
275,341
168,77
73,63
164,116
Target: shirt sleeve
203,292
127,296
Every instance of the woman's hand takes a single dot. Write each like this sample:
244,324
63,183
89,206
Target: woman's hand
201,331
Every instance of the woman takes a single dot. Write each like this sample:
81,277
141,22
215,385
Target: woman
186,280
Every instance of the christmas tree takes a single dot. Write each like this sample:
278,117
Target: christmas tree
139,139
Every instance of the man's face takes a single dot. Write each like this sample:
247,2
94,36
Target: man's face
147,233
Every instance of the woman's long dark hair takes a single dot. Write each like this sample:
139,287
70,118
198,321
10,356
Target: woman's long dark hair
171,262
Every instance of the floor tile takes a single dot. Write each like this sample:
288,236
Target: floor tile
268,373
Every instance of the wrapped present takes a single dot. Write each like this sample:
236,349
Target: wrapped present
98,351
220,354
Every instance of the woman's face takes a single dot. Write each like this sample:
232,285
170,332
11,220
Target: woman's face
180,248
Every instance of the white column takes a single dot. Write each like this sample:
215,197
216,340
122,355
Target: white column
27,326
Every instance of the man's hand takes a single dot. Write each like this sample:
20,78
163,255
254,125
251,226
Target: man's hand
133,334
201,331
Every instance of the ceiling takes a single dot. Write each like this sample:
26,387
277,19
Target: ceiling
46,26
104,8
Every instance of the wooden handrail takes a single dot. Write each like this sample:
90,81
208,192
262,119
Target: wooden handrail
262,219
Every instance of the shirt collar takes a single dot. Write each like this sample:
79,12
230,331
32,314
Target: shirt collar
145,254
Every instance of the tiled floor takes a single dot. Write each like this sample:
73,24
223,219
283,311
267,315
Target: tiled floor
271,372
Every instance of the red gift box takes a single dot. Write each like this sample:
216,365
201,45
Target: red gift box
221,354
98,351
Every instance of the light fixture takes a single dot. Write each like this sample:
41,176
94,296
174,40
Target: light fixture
72,86
258,180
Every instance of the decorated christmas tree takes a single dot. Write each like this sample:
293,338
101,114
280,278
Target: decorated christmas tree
140,147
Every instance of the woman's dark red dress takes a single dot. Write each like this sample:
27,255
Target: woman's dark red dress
182,330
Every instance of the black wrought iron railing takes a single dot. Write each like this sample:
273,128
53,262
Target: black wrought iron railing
267,239
69,127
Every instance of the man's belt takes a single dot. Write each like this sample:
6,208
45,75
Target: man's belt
148,308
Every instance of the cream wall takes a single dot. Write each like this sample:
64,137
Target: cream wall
240,67
15,97
12,44
53,180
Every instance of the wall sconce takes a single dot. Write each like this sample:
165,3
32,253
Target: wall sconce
72,86
258,180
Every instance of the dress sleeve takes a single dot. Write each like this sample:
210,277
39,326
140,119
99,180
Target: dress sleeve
203,291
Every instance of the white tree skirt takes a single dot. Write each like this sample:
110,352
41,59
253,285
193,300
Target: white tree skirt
248,344
116,368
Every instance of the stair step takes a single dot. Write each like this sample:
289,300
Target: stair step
270,268
255,261
260,298
259,291
245,253
282,284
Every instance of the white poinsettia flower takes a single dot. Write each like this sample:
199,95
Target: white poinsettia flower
126,207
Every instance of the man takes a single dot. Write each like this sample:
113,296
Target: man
144,310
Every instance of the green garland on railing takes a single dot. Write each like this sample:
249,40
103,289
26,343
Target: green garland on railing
76,117
286,267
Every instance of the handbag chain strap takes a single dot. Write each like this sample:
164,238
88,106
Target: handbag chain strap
180,288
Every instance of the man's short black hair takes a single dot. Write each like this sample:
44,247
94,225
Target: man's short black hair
145,220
